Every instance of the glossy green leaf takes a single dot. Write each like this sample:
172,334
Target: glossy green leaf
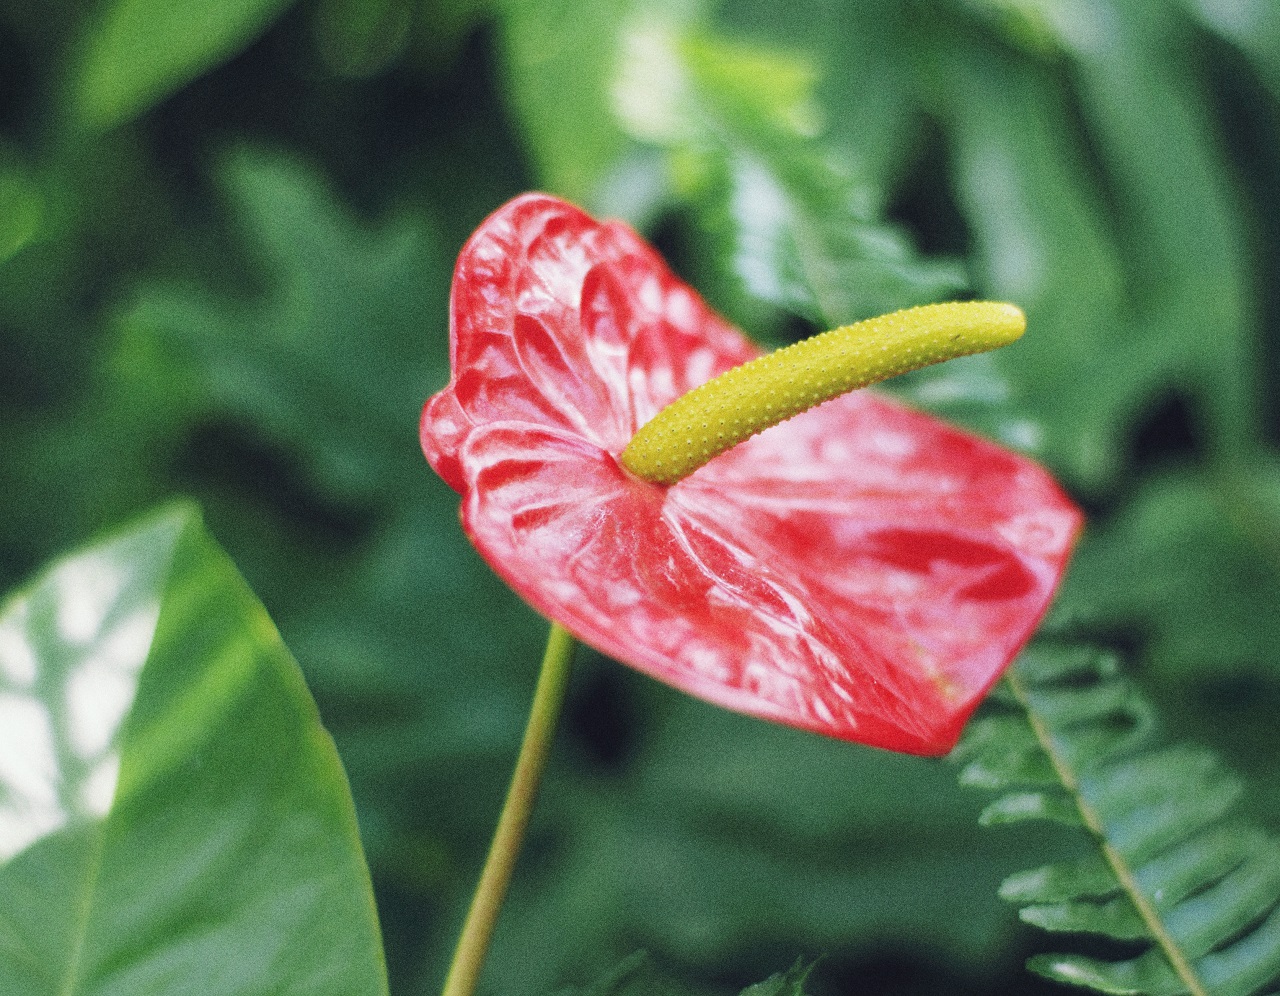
173,818
420,658
137,52
1005,133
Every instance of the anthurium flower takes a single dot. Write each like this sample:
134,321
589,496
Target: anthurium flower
862,570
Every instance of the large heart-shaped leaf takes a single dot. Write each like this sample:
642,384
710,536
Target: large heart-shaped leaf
173,818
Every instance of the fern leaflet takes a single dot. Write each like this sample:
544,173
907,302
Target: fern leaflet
638,976
1069,739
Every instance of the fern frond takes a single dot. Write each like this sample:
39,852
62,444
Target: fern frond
1069,739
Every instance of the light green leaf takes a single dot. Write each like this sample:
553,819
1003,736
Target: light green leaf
173,818
863,80
1114,917
138,52
1148,974
560,56
21,210
335,356
1089,877
785,225
1018,806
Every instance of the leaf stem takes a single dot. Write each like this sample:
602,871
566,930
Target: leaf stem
1119,866
473,944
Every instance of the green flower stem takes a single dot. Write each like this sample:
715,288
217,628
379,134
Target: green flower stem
468,957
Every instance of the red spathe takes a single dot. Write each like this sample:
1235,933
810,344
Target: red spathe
862,570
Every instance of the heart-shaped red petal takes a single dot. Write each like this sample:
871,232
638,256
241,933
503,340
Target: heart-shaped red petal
862,570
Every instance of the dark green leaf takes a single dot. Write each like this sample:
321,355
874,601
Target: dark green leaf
633,976
637,976
137,52
727,833
1186,231
865,79
333,360
788,983
362,37
1122,271
1253,26
1193,561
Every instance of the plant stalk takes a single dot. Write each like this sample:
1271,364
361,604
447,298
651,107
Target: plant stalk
473,944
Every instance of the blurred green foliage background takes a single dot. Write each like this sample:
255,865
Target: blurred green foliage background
226,236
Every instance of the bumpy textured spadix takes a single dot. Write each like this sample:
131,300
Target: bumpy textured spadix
758,395
861,570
